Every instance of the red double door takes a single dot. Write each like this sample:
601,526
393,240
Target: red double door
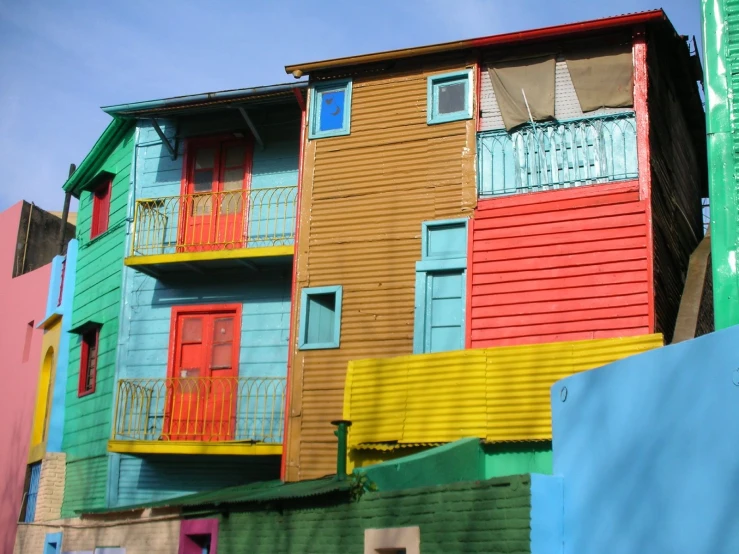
202,388
215,195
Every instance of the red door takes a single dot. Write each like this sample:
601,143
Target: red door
215,195
203,384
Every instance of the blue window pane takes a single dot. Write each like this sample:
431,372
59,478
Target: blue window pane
332,110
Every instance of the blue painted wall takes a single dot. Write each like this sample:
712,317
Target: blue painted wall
648,450
154,478
56,420
146,318
547,519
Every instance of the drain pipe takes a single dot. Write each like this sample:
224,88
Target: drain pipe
65,212
341,432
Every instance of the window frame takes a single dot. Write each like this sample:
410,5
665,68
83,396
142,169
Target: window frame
314,131
433,117
85,370
303,344
100,221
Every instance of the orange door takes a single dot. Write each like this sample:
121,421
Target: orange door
216,193
203,384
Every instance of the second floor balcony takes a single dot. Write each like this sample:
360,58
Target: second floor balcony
199,415
557,155
218,228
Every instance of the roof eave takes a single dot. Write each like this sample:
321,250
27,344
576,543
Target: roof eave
608,23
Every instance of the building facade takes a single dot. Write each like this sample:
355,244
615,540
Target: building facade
530,194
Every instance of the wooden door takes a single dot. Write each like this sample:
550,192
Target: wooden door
203,385
215,197
444,311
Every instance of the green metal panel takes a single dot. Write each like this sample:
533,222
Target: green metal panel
97,298
486,516
720,42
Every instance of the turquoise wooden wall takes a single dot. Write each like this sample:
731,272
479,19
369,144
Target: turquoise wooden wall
154,478
264,295
97,298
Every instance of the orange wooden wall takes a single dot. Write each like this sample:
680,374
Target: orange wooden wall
560,265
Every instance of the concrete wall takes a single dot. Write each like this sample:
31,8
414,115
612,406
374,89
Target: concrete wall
648,452
140,532
23,304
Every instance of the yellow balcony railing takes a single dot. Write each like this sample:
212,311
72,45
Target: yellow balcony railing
204,409
209,221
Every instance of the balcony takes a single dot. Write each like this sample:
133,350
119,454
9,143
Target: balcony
213,229
199,415
499,394
558,155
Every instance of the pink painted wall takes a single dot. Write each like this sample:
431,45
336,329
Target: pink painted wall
22,300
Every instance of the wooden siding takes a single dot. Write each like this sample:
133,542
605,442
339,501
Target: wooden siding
559,265
364,197
154,478
497,394
97,298
677,175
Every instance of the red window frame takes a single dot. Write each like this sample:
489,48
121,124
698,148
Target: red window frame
89,361
101,208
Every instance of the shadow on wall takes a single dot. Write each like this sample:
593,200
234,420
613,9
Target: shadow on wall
13,463
648,452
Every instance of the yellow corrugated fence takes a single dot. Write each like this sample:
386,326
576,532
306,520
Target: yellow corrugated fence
498,394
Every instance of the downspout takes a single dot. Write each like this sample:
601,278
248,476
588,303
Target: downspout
293,293
341,432
65,213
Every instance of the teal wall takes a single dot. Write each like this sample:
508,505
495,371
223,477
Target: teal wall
97,297
517,457
136,481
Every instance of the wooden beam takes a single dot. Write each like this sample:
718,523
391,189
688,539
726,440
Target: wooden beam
252,127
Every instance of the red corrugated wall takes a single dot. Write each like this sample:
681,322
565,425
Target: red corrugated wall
560,265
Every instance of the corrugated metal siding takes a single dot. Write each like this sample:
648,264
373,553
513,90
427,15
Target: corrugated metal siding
364,198
496,394
560,265
566,104
156,478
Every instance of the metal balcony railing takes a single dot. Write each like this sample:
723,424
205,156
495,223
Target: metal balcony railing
556,155
206,409
214,221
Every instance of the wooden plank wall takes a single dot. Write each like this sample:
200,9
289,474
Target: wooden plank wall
364,197
559,265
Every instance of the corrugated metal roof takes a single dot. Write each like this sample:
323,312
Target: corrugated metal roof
543,33
497,394
205,100
265,491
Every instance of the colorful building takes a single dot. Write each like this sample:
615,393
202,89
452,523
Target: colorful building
102,184
494,200
721,85
31,238
202,356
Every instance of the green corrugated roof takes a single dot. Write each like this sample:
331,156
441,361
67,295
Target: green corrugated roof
95,157
265,491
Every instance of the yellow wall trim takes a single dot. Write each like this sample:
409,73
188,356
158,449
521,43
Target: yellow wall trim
497,394
194,447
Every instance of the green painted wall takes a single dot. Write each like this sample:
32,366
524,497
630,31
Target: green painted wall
720,53
97,298
517,458
488,516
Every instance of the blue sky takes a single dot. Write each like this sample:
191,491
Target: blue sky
60,60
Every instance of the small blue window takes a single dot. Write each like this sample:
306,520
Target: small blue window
449,97
320,318
331,106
